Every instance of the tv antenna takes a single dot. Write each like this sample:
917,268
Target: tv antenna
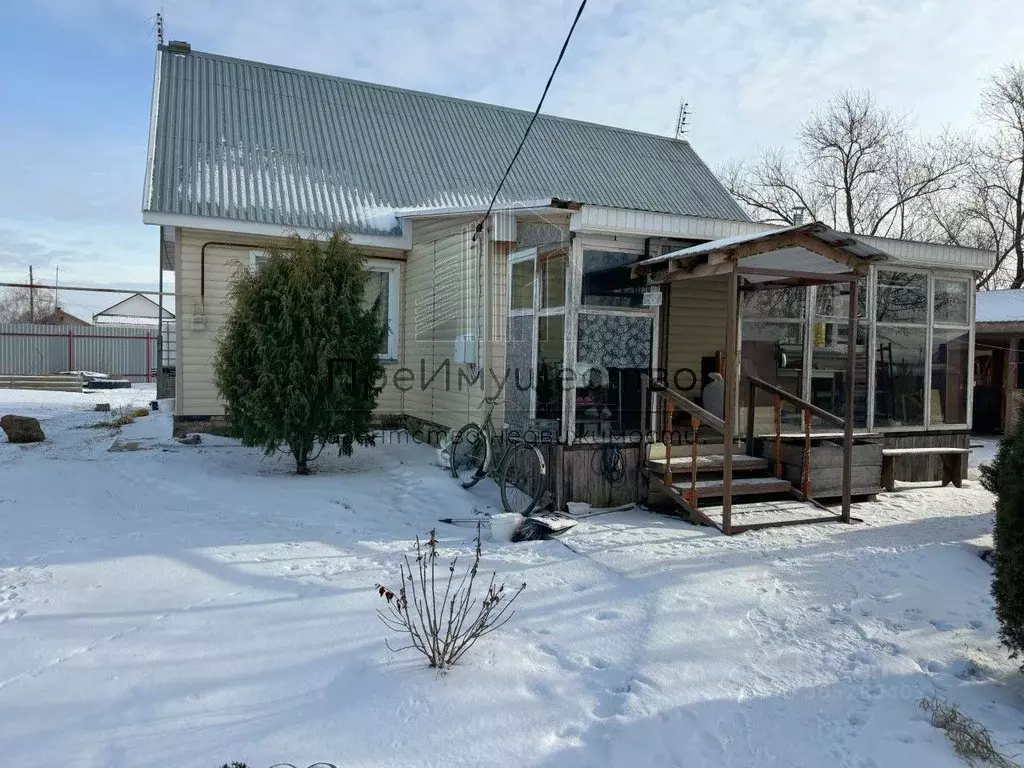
681,121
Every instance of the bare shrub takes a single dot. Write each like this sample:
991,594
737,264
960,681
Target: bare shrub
972,741
439,616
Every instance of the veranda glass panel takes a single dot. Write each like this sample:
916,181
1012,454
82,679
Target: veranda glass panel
833,300
552,279
951,301
950,356
777,304
522,285
773,351
828,370
899,376
613,351
550,363
902,297
519,370
608,282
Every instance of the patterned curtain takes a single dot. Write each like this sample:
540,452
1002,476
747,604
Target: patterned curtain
615,341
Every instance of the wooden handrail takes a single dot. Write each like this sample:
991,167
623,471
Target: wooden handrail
706,417
800,403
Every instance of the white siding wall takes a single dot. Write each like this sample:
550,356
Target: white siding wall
197,395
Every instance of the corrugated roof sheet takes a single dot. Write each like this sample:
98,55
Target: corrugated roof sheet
248,141
1005,306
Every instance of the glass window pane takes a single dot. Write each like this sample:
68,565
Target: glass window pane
607,280
773,351
899,377
552,279
828,371
951,301
522,285
612,352
780,304
833,300
377,284
950,353
550,357
902,297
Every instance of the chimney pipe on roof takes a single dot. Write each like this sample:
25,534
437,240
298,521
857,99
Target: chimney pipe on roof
798,215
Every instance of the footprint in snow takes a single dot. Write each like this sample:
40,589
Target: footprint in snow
607,615
942,626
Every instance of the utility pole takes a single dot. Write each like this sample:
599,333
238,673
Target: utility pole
56,282
31,298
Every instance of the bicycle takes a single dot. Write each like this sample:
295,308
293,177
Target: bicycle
521,472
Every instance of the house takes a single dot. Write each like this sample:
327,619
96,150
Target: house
999,329
141,313
577,270
60,317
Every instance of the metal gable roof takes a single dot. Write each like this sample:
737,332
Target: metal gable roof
253,142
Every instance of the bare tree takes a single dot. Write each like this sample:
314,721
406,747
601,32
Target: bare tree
990,211
857,167
20,305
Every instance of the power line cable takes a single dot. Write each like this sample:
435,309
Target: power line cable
533,119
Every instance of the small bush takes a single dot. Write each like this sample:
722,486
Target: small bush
971,740
138,413
440,617
1005,478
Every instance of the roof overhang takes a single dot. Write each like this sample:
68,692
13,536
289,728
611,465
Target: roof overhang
401,242
806,254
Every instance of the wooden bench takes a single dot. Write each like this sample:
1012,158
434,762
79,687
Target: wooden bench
952,463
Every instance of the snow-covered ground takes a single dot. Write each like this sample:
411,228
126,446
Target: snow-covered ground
187,606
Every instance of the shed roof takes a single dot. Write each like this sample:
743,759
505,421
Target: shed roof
249,141
1005,306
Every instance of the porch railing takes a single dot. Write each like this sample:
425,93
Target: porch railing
698,417
808,411
701,417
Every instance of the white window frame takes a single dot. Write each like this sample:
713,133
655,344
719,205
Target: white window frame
393,269
254,257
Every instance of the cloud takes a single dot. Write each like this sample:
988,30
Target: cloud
751,71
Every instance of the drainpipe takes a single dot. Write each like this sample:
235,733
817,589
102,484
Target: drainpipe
202,262
488,298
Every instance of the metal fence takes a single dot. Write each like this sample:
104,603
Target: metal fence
128,353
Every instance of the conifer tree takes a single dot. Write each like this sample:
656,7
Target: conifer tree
297,360
1005,478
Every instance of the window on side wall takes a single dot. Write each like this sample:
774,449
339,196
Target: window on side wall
257,259
382,282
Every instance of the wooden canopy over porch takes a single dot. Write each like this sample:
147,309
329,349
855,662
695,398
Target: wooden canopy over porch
802,255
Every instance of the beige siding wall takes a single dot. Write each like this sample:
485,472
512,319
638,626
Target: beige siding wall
696,325
443,298
197,395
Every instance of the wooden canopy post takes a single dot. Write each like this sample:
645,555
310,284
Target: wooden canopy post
851,365
731,394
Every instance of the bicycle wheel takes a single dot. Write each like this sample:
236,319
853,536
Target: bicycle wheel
470,451
522,478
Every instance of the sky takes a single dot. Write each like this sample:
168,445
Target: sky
76,82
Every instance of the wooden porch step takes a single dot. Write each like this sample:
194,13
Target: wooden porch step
741,462
741,486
